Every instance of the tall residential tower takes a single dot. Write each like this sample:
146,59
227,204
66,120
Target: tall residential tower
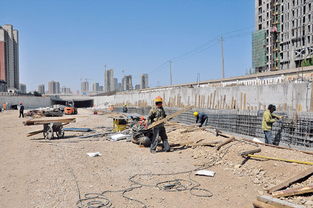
284,34
144,81
109,80
9,56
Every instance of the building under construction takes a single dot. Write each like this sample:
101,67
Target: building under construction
284,34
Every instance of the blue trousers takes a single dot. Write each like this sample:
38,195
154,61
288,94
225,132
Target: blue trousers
269,139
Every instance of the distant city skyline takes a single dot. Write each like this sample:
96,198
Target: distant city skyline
141,40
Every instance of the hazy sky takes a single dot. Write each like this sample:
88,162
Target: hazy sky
70,40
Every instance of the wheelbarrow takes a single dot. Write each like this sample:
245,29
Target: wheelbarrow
52,128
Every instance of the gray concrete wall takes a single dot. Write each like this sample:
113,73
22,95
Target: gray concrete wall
28,101
286,96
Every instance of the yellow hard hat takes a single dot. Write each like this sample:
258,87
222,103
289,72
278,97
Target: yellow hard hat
158,99
195,113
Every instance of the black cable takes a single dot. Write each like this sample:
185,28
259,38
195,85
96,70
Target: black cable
99,200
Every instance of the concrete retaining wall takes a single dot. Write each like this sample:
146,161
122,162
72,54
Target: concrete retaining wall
28,101
289,96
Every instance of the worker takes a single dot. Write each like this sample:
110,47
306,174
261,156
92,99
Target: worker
21,110
157,113
268,119
201,118
125,109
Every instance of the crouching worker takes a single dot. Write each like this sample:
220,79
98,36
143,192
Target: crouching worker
201,118
157,113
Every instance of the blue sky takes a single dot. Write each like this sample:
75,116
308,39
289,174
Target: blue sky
70,40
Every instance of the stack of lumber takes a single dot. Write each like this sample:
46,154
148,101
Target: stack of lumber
46,121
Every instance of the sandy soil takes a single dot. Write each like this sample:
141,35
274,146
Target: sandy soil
57,173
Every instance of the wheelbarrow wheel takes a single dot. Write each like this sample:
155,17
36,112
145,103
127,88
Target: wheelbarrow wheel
48,134
60,133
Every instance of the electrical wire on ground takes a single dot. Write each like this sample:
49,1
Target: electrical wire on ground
100,200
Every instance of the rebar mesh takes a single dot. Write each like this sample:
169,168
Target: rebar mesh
295,131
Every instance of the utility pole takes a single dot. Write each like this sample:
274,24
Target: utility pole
171,78
198,79
222,51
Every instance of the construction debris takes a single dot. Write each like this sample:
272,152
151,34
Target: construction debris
55,111
94,154
91,135
258,204
205,173
294,191
277,202
292,180
118,137
226,142
78,129
250,152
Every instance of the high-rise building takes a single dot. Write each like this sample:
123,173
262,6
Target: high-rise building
109,80
9,56
53,87
84,87
137,87
127,83
100,88
22,88
41,89
144,81
284,34
66,90
95,87
115,84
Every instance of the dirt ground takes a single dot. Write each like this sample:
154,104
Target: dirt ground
58,173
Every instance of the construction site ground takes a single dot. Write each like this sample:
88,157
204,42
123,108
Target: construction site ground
57,173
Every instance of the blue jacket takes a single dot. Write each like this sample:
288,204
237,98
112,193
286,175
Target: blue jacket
201,117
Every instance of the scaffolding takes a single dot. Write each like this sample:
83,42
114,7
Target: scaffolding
275,35
259,49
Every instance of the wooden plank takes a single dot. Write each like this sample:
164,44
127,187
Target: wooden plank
193,129
245,153
169,117
278,202
212,143
226,142
34,133
196,144
292,180
294,191
258,204
43,121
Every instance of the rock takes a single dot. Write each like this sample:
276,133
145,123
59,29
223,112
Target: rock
310,202
261,192
219,162
237,166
